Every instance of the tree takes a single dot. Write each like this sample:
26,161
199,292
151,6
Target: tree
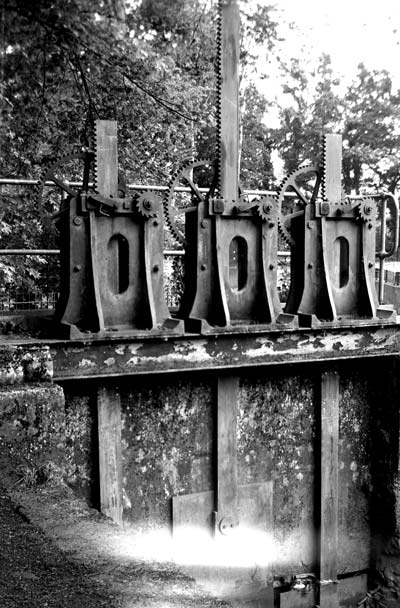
65,63
315,109
78,65
371,132
150,64
256,166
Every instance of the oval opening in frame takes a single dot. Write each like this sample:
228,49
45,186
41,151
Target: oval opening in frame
118,264
341,250
238,253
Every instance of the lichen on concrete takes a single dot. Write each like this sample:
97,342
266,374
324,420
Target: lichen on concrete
276,427
32,426
167,445
354,468
81,444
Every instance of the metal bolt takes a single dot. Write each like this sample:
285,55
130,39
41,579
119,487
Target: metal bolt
156,268
370,264
271,224
204,223
77,220
203,267
226,525
309,225
310,265
155,223
77,268
271,266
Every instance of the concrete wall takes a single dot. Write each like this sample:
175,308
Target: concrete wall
168,426
168,449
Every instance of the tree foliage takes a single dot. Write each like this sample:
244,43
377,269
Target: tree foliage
366,113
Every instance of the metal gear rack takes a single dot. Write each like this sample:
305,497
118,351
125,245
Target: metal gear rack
231,243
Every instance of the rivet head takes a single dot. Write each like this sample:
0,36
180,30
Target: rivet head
77,268
77,220
310,265
203,223
203,267
271,266
156,268
271,224
155,223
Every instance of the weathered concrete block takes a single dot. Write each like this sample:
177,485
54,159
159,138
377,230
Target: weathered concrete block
167,438
29,363
32,426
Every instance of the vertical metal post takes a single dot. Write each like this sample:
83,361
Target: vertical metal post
228,109
226,495
106,158
381,295
329,437
110,457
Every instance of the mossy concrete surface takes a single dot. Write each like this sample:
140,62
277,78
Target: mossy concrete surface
167,439
32,429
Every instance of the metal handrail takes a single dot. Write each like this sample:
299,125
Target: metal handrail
8,181
170,252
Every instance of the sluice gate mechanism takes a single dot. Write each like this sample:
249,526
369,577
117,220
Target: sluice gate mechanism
231,243
112,279
333,240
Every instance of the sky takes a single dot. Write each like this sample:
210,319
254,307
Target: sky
350,31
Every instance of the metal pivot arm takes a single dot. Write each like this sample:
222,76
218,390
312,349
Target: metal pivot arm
382,252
